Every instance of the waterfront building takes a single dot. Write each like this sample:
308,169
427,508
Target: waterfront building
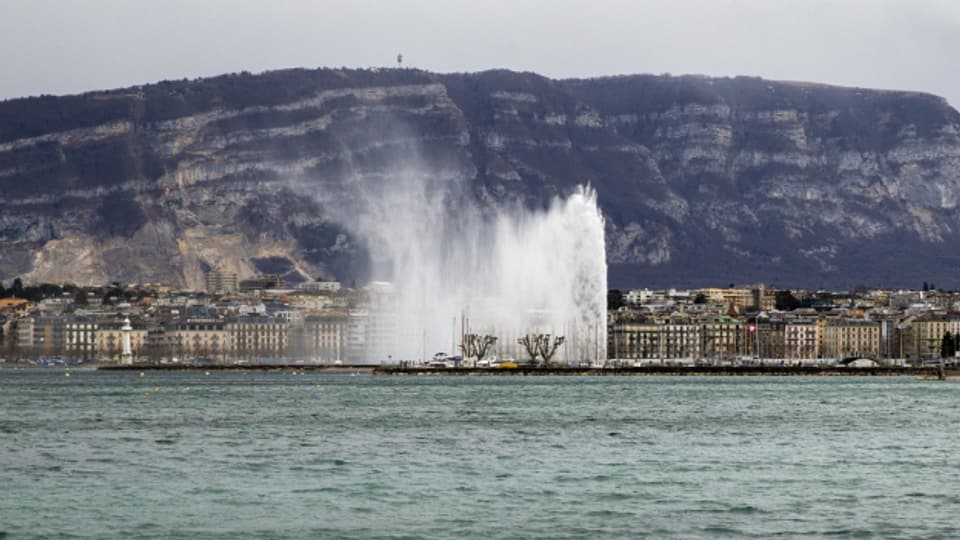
79,337
773,343
47,336
800,340
722,338
24,334
629,339
889,336
199,339
5,326
356,336
377,322
382,334
924,333
680,339
257,337
851,338
663,339
821,323
325,336
159,344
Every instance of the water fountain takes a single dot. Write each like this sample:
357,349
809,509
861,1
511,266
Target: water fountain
457,268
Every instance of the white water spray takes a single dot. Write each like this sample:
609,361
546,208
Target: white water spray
456,269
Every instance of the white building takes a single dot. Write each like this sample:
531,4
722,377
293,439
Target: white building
638,296
801,340
319,286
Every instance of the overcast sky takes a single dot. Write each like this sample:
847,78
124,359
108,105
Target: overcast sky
68,46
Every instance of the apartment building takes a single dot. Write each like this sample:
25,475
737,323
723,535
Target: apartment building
851,338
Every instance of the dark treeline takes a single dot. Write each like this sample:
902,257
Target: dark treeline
34,293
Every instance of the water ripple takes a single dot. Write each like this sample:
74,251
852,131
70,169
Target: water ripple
321,455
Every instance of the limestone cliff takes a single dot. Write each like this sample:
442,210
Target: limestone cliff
702,180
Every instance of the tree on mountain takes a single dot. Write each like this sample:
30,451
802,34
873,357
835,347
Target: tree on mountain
17,289
926,287
786,301
700,298
614,299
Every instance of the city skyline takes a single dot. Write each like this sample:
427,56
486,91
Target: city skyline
263,321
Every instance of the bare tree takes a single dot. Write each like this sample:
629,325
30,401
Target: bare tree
548,349
541,346
476,346
529,343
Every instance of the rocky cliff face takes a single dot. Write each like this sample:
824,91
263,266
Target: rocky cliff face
702,181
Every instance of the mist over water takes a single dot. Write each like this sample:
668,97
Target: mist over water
455,267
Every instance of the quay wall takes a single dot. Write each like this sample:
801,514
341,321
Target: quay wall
663,370
245,367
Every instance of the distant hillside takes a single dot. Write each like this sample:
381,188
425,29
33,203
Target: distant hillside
702,180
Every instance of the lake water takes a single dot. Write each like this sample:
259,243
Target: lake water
314,455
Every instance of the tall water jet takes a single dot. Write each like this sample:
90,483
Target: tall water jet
455,268
551,277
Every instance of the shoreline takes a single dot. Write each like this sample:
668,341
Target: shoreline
710,371
929,373
245,367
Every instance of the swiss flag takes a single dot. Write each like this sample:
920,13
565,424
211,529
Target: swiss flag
753,328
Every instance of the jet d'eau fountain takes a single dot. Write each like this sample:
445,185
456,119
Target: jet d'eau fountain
450,267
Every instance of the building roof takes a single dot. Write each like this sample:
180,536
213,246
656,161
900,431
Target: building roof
13,302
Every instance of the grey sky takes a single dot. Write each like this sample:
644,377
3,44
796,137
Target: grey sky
64,46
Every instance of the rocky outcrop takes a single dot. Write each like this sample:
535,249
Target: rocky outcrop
702,180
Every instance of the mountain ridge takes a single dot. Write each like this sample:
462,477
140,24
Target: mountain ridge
703,181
